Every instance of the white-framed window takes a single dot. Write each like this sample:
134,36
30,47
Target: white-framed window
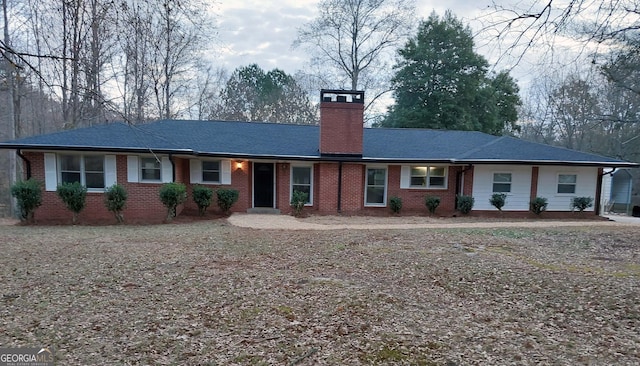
89,170
211,171
94,171
428,177
567,183
150,169
302,180
376,187
501,182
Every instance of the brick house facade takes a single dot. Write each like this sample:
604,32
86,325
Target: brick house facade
345,168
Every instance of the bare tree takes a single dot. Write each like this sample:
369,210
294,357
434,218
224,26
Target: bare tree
356,40
542,25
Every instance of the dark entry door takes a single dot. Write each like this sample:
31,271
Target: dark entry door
263,184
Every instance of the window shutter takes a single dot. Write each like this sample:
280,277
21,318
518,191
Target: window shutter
225,167
132,169
167,170
50,172
405,176
110,172
195,166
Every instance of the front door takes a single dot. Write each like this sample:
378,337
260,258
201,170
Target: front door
263,184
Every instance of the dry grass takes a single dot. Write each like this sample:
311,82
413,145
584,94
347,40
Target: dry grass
210,293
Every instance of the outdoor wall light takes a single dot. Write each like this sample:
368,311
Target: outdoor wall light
239,165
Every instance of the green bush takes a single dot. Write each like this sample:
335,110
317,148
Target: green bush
298,200
582,203
115,198
538,205
432,202
226,199
395,203
74,196
28,193
465,203
171,195
498,200
203,197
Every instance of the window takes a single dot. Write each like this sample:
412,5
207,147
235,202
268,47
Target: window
211,171
301,180
86,169
567,183
501,182
375,194
428,177
149,169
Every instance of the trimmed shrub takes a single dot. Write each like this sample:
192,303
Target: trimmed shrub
28,193
498,200
298,200
538,205
582,203
432,202
115,198
395,203
226,199
203,197
465,203
74,196
171,195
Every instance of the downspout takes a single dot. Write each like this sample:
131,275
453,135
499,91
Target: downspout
27,163
601,174
340,187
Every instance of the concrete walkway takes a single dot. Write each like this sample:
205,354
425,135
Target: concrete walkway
286,222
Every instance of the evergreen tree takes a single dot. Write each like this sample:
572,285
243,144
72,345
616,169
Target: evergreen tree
442,83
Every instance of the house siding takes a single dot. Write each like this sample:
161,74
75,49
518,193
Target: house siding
519,197
586,186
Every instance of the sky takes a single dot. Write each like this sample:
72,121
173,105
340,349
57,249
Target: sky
262,32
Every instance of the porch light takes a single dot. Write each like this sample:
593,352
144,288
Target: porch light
239,165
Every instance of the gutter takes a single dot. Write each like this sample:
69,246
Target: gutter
27,163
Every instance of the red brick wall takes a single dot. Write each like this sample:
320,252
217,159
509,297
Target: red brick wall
240,180
341,128
326,181
413,199
534,182
144,206
283,187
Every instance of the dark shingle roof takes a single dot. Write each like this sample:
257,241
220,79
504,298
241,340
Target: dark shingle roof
270,140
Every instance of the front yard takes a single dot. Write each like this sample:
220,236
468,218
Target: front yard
210,293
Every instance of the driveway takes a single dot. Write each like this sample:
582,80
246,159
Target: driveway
286,222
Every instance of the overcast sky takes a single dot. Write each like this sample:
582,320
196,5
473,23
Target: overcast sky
258,31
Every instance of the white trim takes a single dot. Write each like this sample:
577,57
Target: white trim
386,185
575,185
195,171
133,168
166,170
310,166
405,176
225,172
110,171
50,172
493,181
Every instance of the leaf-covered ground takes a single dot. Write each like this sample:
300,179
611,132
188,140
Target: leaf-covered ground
210,293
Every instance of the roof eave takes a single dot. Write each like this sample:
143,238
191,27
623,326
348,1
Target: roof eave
603,164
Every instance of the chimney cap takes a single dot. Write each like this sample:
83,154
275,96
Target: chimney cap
342,96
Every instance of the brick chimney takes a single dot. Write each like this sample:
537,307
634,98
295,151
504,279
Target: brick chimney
341,122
